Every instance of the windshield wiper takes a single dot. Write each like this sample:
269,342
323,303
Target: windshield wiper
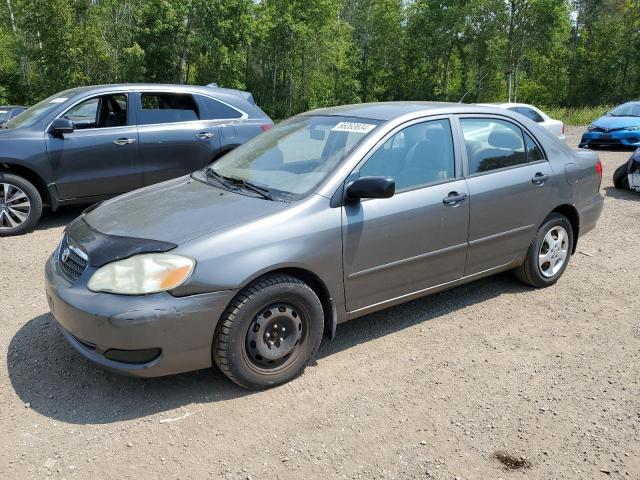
232,183
253,187
222,180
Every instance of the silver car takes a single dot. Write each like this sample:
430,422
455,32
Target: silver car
329,216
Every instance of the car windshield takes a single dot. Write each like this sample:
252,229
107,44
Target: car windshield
4,114
35,113
293,158
626,110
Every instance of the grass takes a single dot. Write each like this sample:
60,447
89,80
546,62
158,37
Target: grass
576,116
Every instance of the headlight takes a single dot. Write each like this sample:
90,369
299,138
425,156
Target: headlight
591,127
142,274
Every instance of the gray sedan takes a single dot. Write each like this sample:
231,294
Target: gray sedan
329,216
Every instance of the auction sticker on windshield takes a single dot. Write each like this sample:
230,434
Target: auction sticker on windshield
59,100
353,127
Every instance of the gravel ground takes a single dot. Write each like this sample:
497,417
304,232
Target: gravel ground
439,388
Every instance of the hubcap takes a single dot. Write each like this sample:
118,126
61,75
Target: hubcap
553,251
14,206
274,335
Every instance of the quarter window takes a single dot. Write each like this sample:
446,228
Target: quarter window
167,108
219,111
534,153
492,144
415,156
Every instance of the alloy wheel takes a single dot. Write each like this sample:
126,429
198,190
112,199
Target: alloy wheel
15,206
553,251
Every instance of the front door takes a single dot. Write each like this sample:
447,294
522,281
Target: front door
416,239
175,139
510,191
101,156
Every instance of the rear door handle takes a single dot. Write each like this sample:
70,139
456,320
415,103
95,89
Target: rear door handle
454,198
540,178
124,141
204,135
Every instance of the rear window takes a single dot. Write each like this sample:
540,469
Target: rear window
167,108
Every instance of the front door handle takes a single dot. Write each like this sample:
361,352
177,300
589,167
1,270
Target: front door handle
204,135
454,198
539,178
124,141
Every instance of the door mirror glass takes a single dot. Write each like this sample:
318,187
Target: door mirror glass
60,126
371,187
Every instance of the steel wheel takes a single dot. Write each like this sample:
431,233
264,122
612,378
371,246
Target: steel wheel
274,336
553,251
15,206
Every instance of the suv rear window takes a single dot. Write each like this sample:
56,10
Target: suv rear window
167,108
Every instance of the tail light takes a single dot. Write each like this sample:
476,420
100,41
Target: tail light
266,127
599,169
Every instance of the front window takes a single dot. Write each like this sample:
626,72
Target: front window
39,110
626,110
295,156
105,111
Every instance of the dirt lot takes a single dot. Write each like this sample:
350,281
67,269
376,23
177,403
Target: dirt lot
430,389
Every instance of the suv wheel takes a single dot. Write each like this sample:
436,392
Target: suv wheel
548,254
20,205
269,332
621,177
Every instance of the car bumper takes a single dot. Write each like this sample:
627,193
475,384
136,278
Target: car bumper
144,336
590,214
624,138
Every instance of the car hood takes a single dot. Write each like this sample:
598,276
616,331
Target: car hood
609,121
177,211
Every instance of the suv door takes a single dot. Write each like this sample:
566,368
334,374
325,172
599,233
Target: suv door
509,182
416,239
100,157
175,138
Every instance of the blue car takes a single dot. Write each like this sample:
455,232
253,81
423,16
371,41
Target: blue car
621,126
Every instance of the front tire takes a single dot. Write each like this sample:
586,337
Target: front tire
621,177
269,333
548,254
20,205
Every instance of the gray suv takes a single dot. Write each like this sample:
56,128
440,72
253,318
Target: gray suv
90,143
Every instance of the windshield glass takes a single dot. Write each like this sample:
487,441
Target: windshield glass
4,114
627,110
295,156
35,113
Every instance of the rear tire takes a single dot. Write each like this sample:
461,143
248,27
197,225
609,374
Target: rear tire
269,333
549,253
20,205
621,178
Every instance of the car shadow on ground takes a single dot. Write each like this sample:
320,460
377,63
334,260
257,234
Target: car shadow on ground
628,195
59,218
55,381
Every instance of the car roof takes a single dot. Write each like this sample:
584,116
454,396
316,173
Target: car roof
390,110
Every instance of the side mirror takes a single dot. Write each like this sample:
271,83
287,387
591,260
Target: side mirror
61,126
371,187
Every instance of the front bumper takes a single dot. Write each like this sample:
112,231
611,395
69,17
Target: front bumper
156,334
625,138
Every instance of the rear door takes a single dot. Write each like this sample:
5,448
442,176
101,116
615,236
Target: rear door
418,238
509,182
100,157
175,137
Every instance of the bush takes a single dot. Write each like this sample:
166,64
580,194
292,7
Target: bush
576,115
